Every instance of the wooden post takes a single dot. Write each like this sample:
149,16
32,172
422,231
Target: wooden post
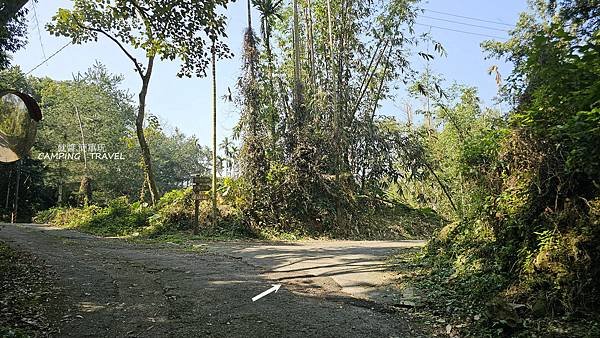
201,184
196,216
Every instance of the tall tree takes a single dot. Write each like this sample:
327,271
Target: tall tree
270,10
336,60
168,29
13,29
214,133
229,152
253,164
86,111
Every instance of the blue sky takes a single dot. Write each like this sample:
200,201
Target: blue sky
185,103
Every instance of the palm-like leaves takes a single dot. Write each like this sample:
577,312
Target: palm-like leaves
229,151
268,9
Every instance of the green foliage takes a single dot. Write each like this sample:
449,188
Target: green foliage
13,30
118,218
549,181
34,191
46,216
531,236
233,192
107,118
176,157
174,211
106,114
313,147
386,221
173,214
452,164
171,30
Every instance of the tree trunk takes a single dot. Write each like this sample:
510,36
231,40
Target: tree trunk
85,188
214,136
139,128
8,189
249,14
336,112
297,64
442,185
296,52
273,113
310,55
296,120
13,218
143,188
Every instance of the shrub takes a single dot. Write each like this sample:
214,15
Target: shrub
46,216
173,212
118,218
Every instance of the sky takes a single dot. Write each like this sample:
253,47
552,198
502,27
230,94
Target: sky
186,103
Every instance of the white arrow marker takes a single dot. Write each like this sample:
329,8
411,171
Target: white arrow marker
274,288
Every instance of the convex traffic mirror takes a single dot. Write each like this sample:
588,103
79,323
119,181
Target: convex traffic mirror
19,115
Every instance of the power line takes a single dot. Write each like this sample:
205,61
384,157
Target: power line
460,31
48,58
464,23
37,25
470,18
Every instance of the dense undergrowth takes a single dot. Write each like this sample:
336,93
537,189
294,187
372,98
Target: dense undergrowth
521,254
526,261
174,215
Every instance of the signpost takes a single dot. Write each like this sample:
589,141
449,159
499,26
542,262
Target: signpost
201,184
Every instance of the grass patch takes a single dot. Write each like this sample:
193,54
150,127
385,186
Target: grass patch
389,221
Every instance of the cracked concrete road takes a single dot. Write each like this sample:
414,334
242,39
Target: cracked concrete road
354,268
111,287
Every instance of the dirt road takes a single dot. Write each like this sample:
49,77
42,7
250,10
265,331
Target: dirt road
116,288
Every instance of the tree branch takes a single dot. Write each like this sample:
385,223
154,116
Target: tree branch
98,30
11,9
366,83
147,22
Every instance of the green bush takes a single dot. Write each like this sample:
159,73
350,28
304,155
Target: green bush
46,216
173,213
118,218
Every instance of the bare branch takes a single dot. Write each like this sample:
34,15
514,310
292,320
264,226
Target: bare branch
131,57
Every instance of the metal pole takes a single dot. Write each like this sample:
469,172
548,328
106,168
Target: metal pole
13,218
